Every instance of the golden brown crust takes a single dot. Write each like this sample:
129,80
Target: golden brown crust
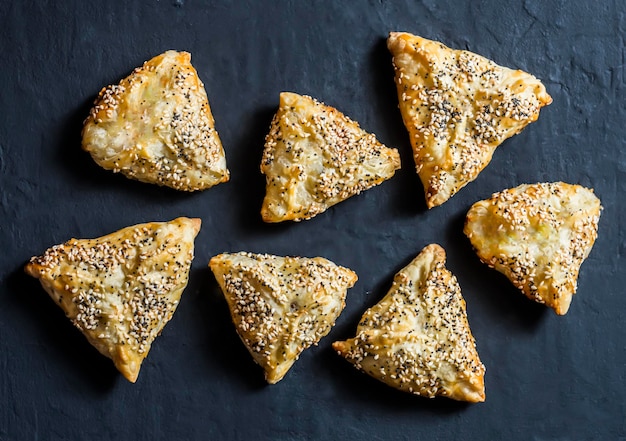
156,126
417,338
121,289
281,305
316,157
458,107
538,236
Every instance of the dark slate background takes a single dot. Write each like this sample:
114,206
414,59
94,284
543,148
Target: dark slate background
548,377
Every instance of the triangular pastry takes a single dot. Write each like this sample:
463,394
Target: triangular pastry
121,289
156,126
417,338
538,236
281,305
458,107
316,157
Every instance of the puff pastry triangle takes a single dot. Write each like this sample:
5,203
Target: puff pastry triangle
458,107
121,289
538,236
156,126
417,338
281,305
316,157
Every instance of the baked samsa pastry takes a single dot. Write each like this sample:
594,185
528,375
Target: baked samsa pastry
156,126
417,338
316,157
281,305
458,107
121,289
538,236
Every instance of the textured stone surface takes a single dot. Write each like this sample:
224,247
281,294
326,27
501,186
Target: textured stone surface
548,377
